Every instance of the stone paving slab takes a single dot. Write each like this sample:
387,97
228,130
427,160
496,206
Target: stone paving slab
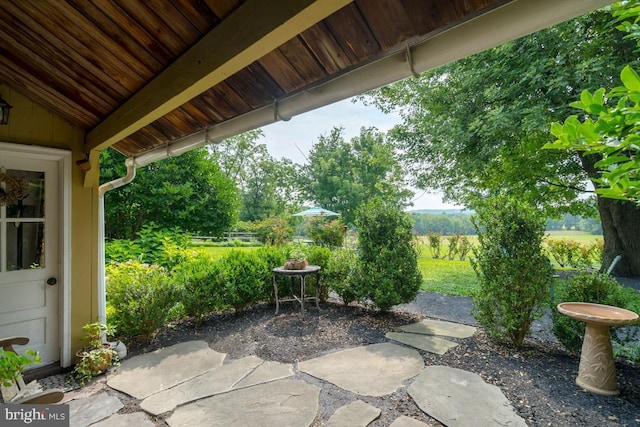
215,381
374,370
146,374
423,342
91,409
440,327
459,398
136,419
278,403
355,414
404,421
267,371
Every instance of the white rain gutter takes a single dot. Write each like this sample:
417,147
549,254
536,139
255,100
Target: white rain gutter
514,19
102,290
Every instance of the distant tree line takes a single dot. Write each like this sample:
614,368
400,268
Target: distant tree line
460,223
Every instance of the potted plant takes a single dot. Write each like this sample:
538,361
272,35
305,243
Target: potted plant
97,356
12,365
297,259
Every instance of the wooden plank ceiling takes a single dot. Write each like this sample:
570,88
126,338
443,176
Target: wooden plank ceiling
84,59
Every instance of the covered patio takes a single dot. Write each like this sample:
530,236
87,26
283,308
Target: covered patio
156,79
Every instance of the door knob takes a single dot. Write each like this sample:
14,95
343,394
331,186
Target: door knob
52,281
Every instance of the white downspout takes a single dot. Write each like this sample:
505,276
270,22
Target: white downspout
102,290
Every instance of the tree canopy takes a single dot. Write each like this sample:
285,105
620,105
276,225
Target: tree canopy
342,175
188,191
268,187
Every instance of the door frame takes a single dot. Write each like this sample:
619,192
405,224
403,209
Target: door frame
63,157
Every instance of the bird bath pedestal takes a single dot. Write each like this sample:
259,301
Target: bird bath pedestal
597,371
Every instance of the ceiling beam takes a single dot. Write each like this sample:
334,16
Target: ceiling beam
253,30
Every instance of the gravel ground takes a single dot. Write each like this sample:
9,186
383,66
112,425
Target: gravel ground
538,379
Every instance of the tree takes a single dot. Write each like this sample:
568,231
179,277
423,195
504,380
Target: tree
342,175
187,191
268,187
475,128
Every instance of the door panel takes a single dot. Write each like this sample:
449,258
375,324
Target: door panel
29,256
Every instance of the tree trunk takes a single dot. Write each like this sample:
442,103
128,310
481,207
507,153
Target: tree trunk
620,227
621,232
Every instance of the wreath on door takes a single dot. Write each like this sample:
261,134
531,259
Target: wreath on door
12,189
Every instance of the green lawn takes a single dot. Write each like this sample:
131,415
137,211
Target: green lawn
218,252
450,277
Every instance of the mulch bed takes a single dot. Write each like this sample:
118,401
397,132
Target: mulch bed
538,379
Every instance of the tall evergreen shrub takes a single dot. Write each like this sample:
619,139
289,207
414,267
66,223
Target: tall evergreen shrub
512,268
388,255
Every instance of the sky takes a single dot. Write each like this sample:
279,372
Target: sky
294,139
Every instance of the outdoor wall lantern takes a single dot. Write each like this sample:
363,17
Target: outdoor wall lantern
4,111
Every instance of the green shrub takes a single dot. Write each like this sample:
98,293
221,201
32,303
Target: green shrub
454,246
164,247
121,250
514,274
601,289
199,283
318,255
272,257
464,247
243,275
328,233
388,254
341,274
435,244
568,253
139,297
272,231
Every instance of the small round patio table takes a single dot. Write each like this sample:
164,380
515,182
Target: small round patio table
597,370
302,274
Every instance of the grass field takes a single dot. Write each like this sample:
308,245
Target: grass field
449,277
218,252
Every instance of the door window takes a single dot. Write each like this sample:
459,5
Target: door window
22,224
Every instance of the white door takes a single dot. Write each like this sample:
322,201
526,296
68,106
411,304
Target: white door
29,261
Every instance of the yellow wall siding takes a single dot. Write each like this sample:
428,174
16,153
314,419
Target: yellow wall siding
30,123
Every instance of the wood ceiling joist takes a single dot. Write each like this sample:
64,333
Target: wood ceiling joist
199,14
390,28
108,24
42,91
227,101
307,65
68,26
354,34
282,71
129,26
89,95
172,18
257,27
155,26
326,48
11,15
